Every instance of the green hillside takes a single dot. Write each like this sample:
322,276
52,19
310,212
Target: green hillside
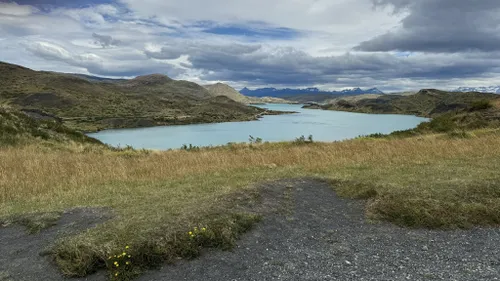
450,111
17,128
91,105
427,102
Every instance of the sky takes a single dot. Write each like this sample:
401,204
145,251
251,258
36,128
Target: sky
394,45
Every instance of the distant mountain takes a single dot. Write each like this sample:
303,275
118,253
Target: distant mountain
490,89
221,89
307,94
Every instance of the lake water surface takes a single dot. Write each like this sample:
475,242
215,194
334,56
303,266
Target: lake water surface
324,125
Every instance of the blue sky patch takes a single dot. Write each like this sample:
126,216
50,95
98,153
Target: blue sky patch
63,3
260,31
403,54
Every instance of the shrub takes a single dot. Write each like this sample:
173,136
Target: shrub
375,136
480,105
459,134
440,124
253,140
190,147
302,140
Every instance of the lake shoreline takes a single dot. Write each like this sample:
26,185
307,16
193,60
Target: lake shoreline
279,123
150,122
361,111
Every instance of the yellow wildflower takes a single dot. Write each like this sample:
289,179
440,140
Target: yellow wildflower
190,233
116,274
129,256
203,229
126,247
127,263
124,254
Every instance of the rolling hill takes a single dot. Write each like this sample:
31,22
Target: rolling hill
92,104
449,110
427,102
221,89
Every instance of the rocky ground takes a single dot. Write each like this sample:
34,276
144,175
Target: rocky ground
315,235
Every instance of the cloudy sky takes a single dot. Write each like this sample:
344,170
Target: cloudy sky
331,44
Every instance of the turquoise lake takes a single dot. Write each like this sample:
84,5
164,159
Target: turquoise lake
323,125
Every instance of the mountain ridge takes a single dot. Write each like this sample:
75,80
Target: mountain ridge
487,89
286,92
426,103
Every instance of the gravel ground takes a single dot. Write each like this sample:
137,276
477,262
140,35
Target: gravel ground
315,235
21,254
324,237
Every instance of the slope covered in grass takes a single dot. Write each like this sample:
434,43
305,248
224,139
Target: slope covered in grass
427,102
90,104
17,128
450,112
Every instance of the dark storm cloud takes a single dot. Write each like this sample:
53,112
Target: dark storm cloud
289,66
440,26
105,40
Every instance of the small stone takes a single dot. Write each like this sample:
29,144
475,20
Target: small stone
348,262
425,248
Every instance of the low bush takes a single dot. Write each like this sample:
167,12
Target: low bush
303,140
480,105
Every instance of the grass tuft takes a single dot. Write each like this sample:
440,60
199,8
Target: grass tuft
78,259
34,222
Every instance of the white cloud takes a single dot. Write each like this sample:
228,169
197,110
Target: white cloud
168,36
14,9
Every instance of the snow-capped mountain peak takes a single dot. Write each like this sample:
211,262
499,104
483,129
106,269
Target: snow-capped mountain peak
490,89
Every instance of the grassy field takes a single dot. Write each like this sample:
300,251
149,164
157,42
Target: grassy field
438,181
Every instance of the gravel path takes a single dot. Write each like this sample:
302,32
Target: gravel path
324,237
315,235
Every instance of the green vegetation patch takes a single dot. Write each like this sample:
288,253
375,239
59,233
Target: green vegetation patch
76,258
18,128
91,105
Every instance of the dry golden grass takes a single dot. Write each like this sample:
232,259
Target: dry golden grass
496,103
431,180
33,172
